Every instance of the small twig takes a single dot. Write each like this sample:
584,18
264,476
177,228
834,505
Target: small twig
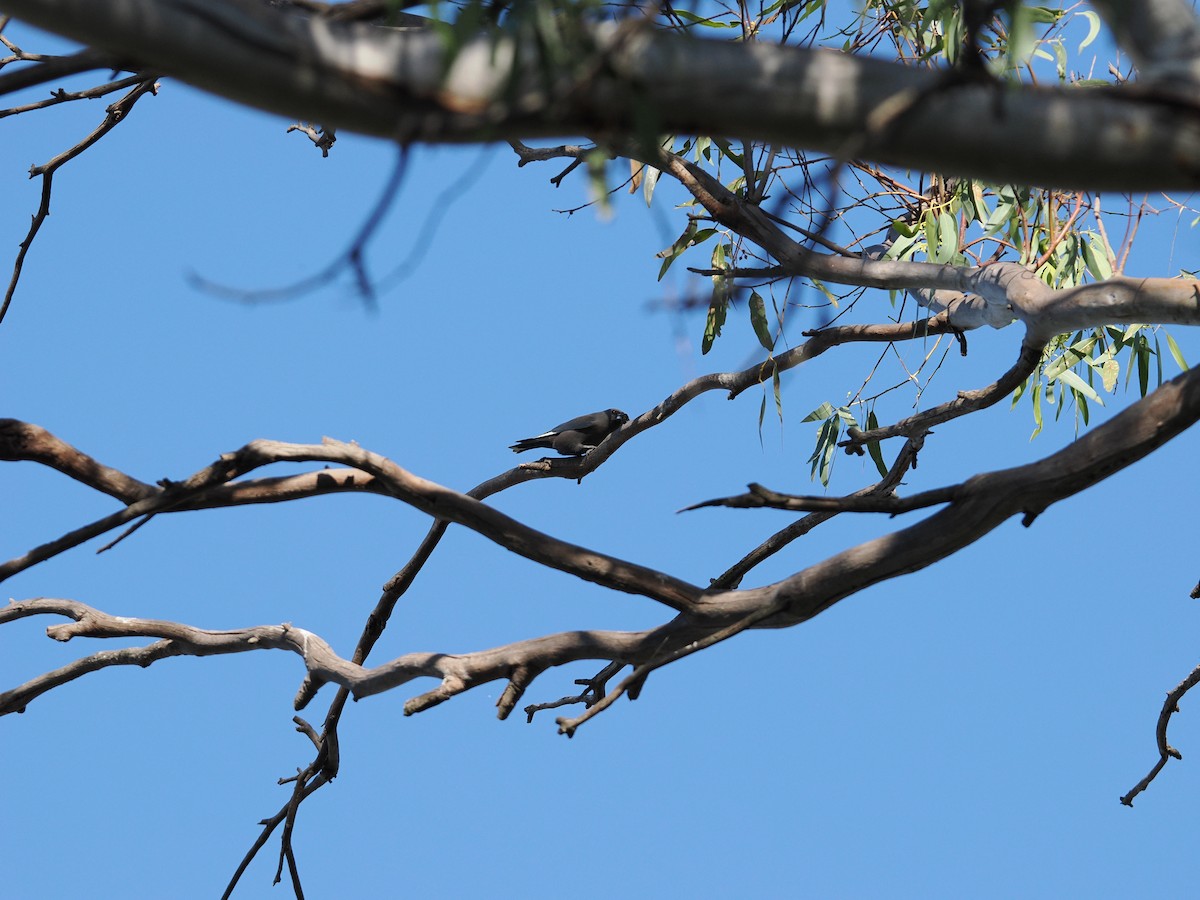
124,534
594,691
1165,750
113,115
62,96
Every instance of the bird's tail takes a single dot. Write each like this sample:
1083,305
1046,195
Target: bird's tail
522,446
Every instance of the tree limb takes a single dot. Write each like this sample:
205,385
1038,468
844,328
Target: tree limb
395,83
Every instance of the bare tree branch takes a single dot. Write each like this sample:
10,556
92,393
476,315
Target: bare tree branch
62,96
113,115
760,497
22,441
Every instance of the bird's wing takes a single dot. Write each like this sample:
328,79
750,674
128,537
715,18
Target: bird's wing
580,423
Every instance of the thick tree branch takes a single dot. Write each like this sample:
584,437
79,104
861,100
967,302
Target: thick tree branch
395,83
983,502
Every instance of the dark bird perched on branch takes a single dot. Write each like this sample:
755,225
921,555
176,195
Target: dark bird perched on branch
578,436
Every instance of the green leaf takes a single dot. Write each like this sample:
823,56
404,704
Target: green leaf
1044,15
682,242
903,246
690,238
719,304
1037,411
1093,28
716,317
1072,356
1060,60
826,449
1096,258
649,180
822,412
727,149
1080,386
829,295
947,244
979,202
929,227
1000,216
1176,352
758,319
700,20
873,446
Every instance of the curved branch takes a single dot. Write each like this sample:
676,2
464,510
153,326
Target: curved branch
1165,750
23,441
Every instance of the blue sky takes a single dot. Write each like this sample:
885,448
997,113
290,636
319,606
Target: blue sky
963,731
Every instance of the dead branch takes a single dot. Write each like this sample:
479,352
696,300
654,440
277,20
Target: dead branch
1165,750
113,115
759,497
517,663
61,96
